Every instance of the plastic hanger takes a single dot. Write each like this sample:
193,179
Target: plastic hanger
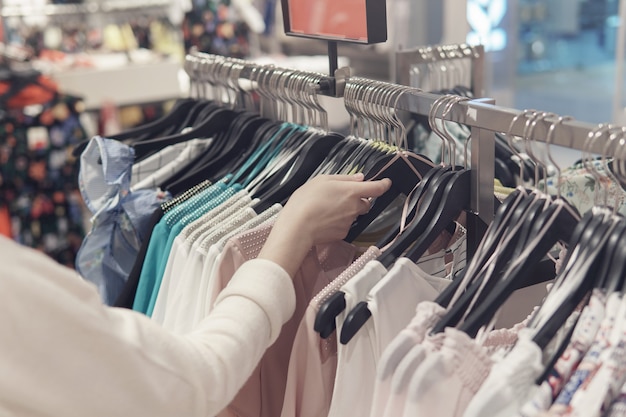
560,230
404,171
612,268
544,224
455,198
499,235
610,276
580,270
341,159
317,146
398,168
204,166
432,200
292,177
413,201
173,122
446,197
595,259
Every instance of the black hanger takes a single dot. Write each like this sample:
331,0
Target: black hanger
201,168
177,119
609,274
155,127
198,112
549,364
403,180
505,217
425,211
608,259
238,140
235,156
354,321
558,230
514,244
592,242
415,197
278,138
617,272
456,198
347,157
218,121
279,187
325,323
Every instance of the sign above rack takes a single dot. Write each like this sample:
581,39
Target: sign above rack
353,21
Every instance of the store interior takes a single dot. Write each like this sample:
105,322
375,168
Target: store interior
142,141
119,64
548,46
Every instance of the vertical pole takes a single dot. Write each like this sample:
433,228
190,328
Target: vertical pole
482,207
333,60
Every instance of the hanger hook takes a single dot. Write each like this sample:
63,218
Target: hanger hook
374,108
319,110
529,150
592,136
387,114
549,139
432,122
619,169
298,87
348,102
616,131
359,93
402,91
526,136
509,139
454,100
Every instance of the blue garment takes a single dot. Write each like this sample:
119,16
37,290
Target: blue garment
163,237
120,218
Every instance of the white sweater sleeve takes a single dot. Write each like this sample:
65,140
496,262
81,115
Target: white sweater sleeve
63,353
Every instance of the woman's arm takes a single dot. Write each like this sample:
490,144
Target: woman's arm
62,353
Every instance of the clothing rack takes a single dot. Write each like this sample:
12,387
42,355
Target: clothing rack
405,59
484,118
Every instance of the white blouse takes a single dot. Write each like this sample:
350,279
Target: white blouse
63,353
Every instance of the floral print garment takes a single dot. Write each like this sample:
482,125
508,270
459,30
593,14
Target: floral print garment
38,176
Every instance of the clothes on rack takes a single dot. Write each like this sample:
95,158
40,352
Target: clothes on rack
346,348
196,245
120,216
578,185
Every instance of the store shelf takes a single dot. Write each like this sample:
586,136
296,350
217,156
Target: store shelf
130,84
86,8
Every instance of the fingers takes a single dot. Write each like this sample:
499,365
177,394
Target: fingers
372,189
355,177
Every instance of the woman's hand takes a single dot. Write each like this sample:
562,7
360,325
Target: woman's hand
320,211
